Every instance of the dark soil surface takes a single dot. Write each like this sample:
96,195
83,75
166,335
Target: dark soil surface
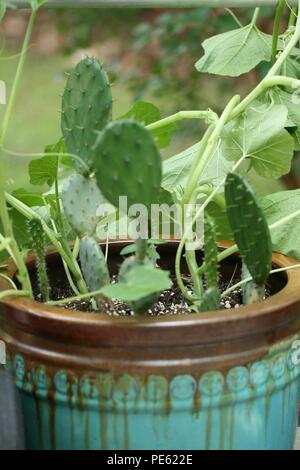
170,302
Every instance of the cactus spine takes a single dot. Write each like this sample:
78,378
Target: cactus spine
86,109
38,242
251,233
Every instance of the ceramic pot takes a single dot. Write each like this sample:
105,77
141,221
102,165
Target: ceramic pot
221,380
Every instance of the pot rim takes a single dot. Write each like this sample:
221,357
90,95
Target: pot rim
54,320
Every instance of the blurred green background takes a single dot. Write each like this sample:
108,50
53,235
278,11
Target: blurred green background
149,54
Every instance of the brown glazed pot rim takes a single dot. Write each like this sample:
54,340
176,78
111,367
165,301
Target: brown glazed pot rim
281,311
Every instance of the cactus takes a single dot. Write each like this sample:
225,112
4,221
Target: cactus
86,109
127,163
210,252
250,229
38,243
80,199
252,292
210,300
141,305
93,264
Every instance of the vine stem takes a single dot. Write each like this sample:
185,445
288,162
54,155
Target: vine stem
201,160
293,16
209,115
75,298
141,249
184,237
202,157
249,279
272,81
15,293
49,154
234,249
255,16
276,30
4,216
70,261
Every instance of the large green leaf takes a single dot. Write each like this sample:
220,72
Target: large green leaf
176,169
292,67
19,223
289,100
30,198
235,52
259,135
286,238
44,170
147,113
143,112
141,282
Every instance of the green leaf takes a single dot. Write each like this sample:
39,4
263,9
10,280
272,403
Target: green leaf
289,100
141,281
146,113
44,170
235,52
30,198
176,169
296,136
163,135
292,67
259,135
143,112
129,249
19,223
286,238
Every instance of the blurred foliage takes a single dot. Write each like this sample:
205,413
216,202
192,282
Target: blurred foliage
167,42
177,36
86,23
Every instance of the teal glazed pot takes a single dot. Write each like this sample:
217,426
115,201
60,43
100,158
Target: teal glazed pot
223,380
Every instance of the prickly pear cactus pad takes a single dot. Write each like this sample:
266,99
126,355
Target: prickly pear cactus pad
127,163
80,199
93,264
86,108
211,300
249,226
